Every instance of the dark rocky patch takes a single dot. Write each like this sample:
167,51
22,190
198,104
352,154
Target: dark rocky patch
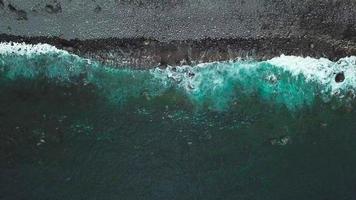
174,20
2,5
97,9
12,8
142,52
53,9
156,4
21,14
349,33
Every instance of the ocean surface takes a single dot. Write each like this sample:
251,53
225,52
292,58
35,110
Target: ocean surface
72,128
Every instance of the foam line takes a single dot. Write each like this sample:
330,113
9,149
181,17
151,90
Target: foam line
22,49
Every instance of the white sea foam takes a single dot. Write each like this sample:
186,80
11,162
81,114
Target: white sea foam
291,80
22,49
320,70
311,68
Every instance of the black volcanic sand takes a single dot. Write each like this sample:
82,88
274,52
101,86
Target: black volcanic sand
146,33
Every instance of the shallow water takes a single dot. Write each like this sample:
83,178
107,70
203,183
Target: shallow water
72,128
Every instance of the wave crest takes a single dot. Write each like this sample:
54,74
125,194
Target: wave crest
286,80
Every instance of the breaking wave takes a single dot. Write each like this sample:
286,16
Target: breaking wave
290,81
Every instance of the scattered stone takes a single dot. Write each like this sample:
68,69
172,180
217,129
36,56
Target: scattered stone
2,5
340,77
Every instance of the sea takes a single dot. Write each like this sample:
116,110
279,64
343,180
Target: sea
243,129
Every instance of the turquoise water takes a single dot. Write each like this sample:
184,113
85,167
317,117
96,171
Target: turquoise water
72,128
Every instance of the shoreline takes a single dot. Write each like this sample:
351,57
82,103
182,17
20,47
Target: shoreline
150,33
148,53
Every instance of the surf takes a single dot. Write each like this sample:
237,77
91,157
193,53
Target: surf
290,81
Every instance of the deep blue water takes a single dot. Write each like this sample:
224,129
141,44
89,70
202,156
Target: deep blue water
72,128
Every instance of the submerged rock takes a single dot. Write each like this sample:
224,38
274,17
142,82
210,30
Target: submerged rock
281,141
340,77
191,74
